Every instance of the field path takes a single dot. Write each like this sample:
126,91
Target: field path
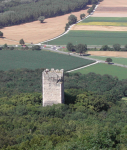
84,66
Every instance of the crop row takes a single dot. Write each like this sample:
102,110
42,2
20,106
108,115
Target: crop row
103,24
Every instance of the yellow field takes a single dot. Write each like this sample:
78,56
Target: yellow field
120,24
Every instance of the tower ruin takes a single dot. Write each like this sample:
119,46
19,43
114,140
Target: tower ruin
52,86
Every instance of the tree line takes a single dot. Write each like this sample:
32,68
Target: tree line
18,12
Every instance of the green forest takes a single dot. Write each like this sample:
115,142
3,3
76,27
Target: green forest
93,116
15,12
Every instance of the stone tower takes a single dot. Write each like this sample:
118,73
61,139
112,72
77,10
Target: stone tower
52,86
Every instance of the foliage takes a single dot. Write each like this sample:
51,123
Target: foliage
70,46
36,47
117,47
109,60
72,19
67,26
104,48
81,48
21,42
1,34
82,16
25,124
41,19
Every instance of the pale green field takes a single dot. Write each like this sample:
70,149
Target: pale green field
102,69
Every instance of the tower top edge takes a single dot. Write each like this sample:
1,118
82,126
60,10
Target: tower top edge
53,70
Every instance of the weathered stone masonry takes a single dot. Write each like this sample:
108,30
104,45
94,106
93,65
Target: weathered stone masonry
52,87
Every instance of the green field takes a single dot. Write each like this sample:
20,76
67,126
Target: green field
118,60
102,69
105,19
92,38
39,59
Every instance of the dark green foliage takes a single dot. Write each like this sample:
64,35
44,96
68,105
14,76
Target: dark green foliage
104,48
117,47
81,48
36,47
91,8
70,46
5,46
94,117
1,34
41,19
67,26
72,19
21,42
109,60
82,16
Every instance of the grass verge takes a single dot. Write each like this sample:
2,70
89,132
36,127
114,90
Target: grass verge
102,69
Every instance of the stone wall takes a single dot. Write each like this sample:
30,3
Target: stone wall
52,87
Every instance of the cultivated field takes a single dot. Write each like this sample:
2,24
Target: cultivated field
111,8
92,38
102,24
118,60
102,69
108,53
37,32
39,59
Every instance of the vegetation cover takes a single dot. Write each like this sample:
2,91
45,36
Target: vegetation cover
93,114
105,19
20,11
118,60
102,69
36,59
92,38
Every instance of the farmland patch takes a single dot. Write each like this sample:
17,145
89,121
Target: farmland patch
102,69
91,38
39,59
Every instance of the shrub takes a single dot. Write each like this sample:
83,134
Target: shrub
36,47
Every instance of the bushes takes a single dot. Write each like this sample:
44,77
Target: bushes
36,47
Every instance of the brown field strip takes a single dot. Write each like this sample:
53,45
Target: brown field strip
37,32
108,53
111,8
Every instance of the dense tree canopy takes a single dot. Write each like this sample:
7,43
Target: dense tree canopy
18,11
72,19
93,114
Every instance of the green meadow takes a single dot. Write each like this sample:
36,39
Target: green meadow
102,69
16,59
92,38
118,60
105,19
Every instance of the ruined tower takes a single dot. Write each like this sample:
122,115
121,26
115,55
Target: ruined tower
52,86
